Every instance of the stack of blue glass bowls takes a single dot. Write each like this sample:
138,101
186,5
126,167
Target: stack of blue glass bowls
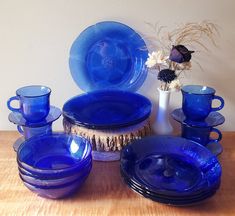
170,170
198,118
54,165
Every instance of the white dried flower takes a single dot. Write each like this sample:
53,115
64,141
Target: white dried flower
156,59
175,85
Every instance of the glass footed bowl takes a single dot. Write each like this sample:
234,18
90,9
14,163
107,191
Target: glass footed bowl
57,181
57,192
56,153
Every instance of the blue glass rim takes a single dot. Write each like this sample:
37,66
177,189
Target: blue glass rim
57,170
214,119
46,91
198,90
18,119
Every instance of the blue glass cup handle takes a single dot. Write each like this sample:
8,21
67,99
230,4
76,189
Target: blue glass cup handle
9,104
215,130
221,105
20,130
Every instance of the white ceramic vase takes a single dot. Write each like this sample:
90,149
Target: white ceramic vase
162,125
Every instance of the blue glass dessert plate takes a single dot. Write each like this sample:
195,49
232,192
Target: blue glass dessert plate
214,119
18,119
170,165
108,55
107,109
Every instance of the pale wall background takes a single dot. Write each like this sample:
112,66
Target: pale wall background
35,38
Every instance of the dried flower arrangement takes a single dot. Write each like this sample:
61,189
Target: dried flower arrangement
172,56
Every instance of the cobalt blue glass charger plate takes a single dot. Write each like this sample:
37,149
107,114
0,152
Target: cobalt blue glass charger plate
107,109
18,119
108,55
170,165
213,119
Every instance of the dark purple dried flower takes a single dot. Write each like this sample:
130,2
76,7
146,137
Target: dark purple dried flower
166,75
180,54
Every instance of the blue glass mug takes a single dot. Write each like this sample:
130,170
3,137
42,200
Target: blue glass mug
197,102
34,102
29,132
200,134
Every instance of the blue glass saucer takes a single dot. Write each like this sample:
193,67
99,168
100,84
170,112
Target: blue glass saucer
170,165
215,147
107,109
18,119
108,55
17,143
214,119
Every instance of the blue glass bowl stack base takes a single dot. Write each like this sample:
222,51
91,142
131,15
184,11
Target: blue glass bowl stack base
170,170
54,165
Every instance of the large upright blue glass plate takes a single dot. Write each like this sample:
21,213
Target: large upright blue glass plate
108,55
107,109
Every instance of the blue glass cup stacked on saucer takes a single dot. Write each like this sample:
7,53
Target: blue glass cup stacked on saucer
198,118
34,115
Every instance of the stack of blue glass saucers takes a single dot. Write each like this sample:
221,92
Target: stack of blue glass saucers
170,170
54,165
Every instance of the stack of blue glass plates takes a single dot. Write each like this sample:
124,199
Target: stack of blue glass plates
170,170
107,109
107,60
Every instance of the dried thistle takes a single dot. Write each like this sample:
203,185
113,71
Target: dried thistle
173,44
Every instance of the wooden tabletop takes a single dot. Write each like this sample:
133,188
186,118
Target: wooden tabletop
104,193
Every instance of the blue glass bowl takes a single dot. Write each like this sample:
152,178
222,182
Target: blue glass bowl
107,109
55,153
108,55
170,165
56,181
60,175
57,192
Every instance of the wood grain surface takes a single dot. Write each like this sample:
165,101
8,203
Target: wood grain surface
104,193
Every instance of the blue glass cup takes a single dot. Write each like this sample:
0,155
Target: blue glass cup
28,132
34,102
200,135
197,102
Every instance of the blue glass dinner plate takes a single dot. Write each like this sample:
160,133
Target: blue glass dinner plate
18,119
107,109
172,197
214,119
170,165
108,55
171,201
